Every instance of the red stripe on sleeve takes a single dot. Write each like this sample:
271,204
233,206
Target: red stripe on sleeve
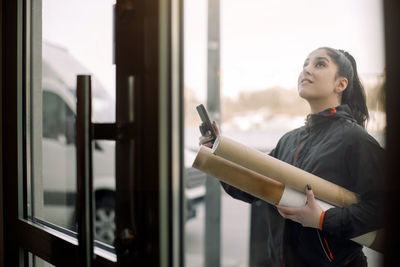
321,220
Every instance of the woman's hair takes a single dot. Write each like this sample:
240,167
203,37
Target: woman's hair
354,94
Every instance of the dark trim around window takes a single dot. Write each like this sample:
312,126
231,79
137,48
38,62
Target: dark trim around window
12,129
1,139
392,48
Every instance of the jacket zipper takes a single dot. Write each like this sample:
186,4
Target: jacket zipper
297,154
328,253
328,256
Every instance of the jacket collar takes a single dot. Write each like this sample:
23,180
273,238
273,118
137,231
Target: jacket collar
342,111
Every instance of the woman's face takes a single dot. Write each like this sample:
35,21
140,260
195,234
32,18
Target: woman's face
318,78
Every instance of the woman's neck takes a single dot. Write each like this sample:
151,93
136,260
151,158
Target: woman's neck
319,105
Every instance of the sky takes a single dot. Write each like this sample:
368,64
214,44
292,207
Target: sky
263,42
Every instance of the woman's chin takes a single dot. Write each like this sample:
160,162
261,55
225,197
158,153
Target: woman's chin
308,97
303,93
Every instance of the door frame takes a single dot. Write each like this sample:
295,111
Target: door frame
392,183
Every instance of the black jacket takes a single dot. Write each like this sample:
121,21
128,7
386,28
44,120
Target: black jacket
333,146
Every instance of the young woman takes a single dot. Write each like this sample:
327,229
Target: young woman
332,144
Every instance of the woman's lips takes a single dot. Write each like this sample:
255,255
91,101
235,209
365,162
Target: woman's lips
306,81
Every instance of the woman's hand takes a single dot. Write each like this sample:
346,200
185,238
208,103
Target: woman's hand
308,216
208,140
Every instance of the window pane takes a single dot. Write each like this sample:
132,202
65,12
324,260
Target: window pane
72,38
263,45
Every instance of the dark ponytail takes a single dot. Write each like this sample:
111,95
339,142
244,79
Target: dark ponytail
354,94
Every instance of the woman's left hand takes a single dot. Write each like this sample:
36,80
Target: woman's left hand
308,216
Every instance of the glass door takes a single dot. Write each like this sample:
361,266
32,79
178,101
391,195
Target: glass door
119,62
67,50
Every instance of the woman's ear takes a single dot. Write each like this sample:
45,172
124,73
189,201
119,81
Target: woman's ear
341,85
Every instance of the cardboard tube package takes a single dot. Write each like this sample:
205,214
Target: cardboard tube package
265,188
281,171
248,181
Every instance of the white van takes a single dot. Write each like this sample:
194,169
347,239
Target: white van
59,71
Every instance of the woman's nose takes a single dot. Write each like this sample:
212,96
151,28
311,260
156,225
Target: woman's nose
307,70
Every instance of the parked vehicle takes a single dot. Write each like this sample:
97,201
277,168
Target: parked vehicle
59,72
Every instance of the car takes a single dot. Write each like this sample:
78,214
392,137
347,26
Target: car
59,70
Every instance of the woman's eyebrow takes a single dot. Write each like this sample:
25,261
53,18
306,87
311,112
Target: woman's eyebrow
322,58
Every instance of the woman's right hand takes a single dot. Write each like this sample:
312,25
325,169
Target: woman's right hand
207,140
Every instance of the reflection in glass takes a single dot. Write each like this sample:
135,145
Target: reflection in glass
59,160
66,44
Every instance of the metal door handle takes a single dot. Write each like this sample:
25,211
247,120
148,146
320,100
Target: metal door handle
84,203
